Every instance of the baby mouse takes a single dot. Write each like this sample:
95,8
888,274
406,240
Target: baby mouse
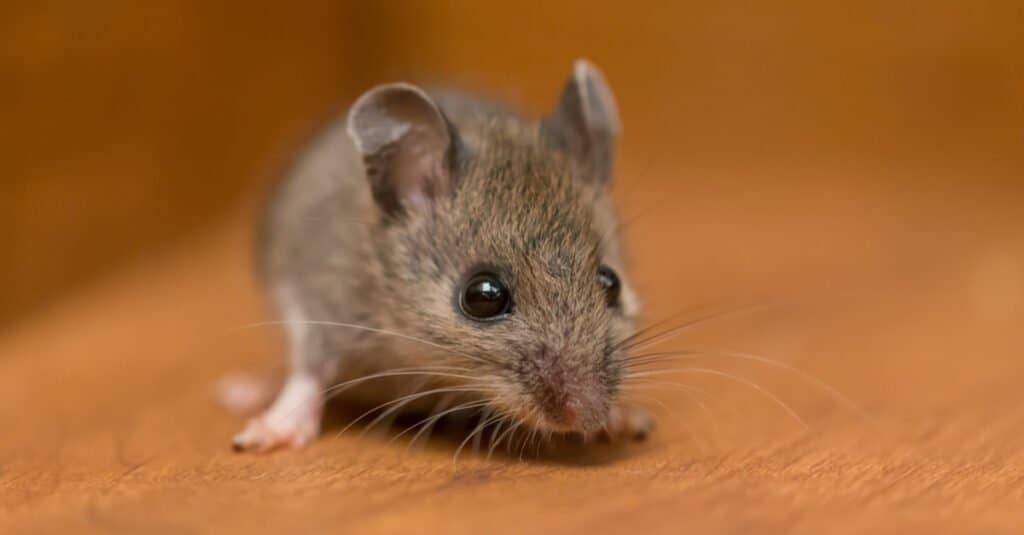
435,249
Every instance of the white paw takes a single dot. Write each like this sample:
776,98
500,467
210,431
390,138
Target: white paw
264,434
292,421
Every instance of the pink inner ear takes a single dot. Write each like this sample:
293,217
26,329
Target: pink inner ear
418,167
405,141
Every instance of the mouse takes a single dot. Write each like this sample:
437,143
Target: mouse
434,248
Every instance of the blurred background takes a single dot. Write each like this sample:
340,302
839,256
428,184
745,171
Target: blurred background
128,126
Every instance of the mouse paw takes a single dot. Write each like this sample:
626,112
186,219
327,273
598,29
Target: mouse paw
263,434
628,422
245,394
292,421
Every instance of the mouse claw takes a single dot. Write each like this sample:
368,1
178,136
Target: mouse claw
632,423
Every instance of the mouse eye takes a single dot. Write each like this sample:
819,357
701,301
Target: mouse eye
485,298
609,282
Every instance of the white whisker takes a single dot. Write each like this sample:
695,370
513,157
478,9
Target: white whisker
431,420
396,404
729,376
398,372
806,377
363,328
484,421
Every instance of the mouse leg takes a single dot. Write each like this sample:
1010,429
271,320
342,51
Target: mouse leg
625,421
293,419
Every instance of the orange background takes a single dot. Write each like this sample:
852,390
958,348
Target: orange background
129,124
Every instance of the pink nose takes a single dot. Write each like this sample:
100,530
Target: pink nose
570,413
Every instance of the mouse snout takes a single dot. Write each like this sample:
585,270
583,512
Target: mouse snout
564,414
568,402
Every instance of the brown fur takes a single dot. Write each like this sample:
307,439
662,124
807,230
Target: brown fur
520,208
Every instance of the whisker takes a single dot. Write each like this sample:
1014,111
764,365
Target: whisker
494,434
398,372
533,433
390,414
680,386
509,445
480,427
442,404
364,328
689,429
660,356
689,391
334,390
731,377
519,424
496,442
415,396
479,437
830,390
648,329
406,399
432,419
634,342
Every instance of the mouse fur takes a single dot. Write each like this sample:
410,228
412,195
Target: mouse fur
371,236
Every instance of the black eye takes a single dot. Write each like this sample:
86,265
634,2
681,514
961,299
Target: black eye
609,282
485,298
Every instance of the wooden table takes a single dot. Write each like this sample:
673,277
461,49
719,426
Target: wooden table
904,293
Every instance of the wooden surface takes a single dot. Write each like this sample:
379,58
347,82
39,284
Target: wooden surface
906,299
863,162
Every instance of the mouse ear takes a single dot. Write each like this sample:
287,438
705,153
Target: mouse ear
406,144
585,123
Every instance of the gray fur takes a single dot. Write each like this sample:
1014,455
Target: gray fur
518,203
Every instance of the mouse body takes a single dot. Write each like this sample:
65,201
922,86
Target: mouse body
432,250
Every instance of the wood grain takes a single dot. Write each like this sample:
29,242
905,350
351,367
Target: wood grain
910,305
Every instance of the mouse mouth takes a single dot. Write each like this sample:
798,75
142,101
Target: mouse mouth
558,391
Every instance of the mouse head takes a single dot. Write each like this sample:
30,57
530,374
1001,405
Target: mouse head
498,243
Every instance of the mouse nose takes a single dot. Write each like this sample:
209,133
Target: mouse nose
567,394
574,413
567,414
565,409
